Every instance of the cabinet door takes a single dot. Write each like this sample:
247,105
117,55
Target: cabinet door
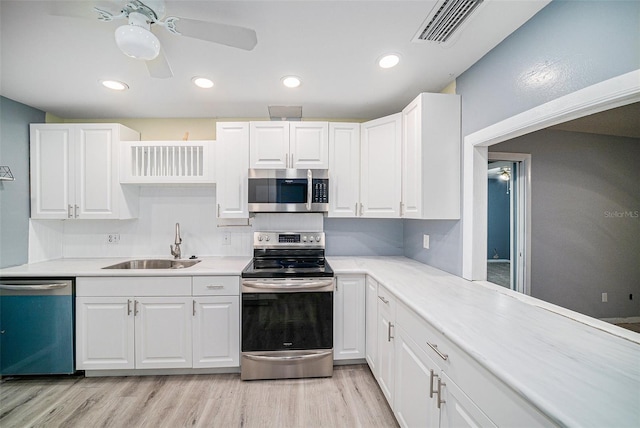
344,169
163,332
412,160
96,177
349,318
457,409
309,145
371,314
269,145
104,333
216,331
380,167
232,164
386,354
415,373
51,151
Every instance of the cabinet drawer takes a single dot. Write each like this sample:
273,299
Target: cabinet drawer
216,285
134,286
426,336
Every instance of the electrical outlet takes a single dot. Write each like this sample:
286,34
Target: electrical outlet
226,238
113,238
604,298
425,241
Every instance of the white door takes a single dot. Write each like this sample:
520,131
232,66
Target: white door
371,324
380,167
232,164
344,169
51,154
412,160
163,332
269,145
309,145
457,409
96,178
104,333
216,331
415,373
349,318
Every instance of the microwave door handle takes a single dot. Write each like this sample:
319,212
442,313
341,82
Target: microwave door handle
309,188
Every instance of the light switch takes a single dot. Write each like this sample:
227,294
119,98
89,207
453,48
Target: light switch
425,241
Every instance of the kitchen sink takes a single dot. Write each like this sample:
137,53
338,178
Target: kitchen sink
153,264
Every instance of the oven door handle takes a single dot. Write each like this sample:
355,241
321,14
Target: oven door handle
305,357
288,285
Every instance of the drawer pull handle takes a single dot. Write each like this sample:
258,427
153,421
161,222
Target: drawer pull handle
128,307
215,287
385,301
389,336
435,348
135,308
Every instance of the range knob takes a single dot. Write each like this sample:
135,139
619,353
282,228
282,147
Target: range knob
259,237
266,238
318,238
304,238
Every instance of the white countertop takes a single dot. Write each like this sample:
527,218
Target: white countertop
571,367
574,373
94,267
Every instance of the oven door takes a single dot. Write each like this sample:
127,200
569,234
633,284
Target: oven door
287,328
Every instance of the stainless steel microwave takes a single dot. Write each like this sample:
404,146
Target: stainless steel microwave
288,190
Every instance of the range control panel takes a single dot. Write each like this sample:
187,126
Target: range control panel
288,239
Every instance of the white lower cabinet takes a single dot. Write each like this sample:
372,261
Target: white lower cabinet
160,326
386,341
349,318
371,324
216,331
430,382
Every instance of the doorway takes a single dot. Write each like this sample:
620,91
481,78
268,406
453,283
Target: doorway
508,199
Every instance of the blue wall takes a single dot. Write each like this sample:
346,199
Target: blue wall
498,220
14,195
579,42
363,237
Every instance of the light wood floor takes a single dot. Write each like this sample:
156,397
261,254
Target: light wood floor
351,398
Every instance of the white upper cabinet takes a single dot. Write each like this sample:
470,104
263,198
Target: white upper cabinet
279,145
344,169
380,167
232,165
431,157
74,172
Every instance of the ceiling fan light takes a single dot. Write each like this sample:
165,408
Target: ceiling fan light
115,85
137,42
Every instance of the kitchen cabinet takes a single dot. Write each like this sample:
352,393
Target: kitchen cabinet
157,322
349,318
380,177
386,342
216,321
431,157
371,324
279,145
231,166
457,409
344,169
74,172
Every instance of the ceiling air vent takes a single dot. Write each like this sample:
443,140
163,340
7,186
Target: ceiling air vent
446,17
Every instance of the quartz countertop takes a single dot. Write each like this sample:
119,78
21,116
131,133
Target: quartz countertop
576,374
576,370
94,267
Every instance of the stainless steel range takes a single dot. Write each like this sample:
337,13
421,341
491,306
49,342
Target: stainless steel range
287,308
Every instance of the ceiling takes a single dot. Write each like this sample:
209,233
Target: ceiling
55,63
621,122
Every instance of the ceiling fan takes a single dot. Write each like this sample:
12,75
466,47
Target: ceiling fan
136,40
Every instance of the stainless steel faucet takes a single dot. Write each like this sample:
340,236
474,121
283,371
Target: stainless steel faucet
175,252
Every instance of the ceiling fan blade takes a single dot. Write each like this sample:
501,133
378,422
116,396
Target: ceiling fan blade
82,9
159,67
229,35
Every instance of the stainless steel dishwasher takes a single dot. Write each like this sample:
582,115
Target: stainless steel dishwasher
36,326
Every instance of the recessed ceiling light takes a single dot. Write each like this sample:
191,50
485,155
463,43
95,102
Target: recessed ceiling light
389,60
203,82
115,85
291,81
